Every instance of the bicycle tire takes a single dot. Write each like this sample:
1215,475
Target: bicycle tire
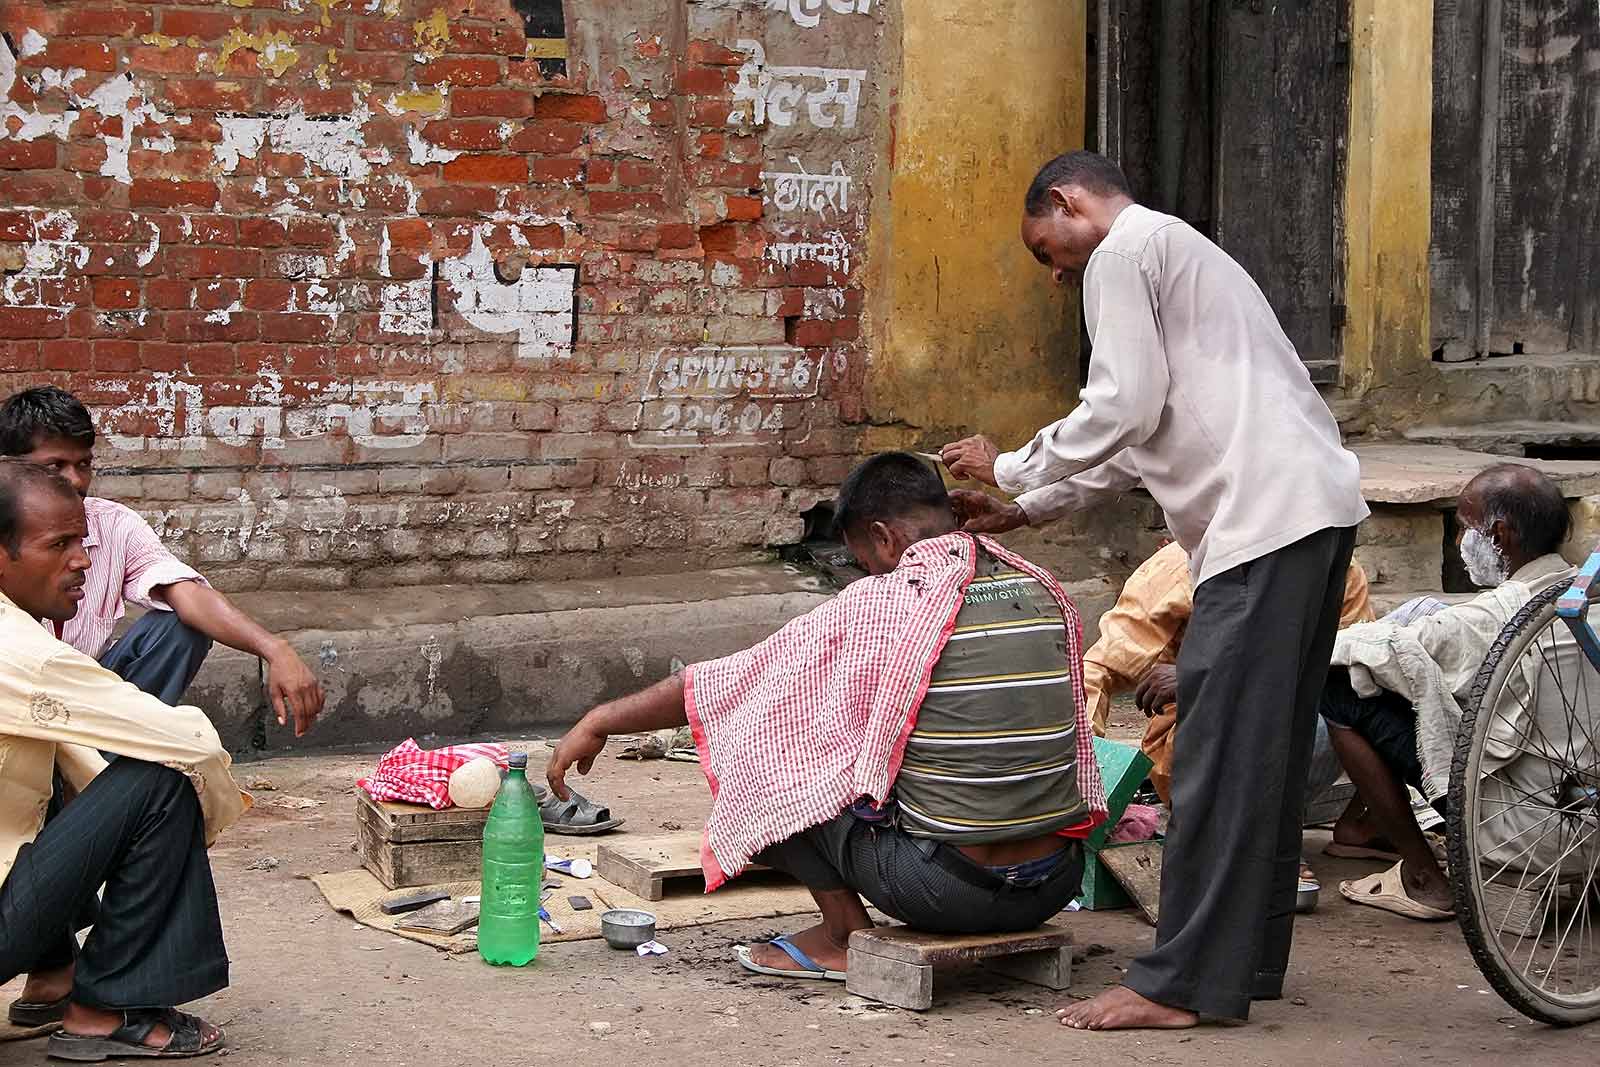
1523,629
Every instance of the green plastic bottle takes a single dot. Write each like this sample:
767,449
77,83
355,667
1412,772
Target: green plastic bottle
513,871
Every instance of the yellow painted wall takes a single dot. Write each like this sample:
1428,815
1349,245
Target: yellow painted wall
1387,194
969,334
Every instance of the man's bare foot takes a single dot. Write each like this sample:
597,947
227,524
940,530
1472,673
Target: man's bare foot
47,987
1427,885
1120,1008
814,942
95,1022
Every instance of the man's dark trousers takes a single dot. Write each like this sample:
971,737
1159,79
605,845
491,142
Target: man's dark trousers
160,654
1250,675
157,940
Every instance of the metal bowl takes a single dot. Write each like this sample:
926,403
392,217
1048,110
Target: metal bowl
1305,898
627,927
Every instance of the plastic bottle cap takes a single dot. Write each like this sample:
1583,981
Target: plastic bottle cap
519,761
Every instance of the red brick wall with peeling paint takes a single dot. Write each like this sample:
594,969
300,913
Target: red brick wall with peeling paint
359,294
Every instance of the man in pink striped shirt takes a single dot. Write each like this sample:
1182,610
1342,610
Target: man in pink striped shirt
163,651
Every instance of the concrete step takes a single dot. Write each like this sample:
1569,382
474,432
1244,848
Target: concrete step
456,661
1512,438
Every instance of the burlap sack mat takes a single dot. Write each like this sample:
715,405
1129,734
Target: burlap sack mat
358,894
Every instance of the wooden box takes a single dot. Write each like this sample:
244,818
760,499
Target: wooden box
410,844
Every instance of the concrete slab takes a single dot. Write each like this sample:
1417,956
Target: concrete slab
1411,473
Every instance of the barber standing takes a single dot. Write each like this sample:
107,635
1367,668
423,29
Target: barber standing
1195,392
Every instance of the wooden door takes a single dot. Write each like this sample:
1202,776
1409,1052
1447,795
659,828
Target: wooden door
1515,250
1231,114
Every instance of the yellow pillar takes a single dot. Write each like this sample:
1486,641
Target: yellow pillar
968,332
1388,193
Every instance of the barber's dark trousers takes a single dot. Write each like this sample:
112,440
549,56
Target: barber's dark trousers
159,654
157,940
1250,674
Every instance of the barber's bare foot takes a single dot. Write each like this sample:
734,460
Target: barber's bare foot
1120,1008
46,987
814,942
1427,885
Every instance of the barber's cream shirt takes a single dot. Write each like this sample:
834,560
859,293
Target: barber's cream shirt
1195,391
60,708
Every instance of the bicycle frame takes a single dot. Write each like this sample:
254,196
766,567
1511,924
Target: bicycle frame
1573,609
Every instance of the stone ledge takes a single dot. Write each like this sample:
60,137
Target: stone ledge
463,661
1409,473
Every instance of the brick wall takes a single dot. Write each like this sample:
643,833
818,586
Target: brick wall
381,291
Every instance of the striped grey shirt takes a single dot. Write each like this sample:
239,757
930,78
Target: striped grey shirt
993,756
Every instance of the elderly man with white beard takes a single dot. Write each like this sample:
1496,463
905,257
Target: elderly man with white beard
1513,521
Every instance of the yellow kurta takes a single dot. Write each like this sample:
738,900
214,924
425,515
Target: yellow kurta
1145,628
59,708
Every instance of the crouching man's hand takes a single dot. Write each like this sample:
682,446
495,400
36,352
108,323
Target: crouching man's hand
580,746
981,513
1157,689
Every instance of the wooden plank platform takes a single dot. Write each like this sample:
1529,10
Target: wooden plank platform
896,965
644,865
1138,867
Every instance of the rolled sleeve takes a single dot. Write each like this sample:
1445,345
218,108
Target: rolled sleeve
150,566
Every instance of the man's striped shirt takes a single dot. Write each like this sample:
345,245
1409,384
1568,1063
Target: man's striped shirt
993,756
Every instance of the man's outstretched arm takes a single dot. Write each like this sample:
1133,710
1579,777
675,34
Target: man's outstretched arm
290,683
658,708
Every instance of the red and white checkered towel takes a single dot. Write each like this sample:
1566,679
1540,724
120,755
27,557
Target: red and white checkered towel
422,776
797,728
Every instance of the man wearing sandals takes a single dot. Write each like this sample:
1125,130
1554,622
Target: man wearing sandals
69,823
1393,699
920,740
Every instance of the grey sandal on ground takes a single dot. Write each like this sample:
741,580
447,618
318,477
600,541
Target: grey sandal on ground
35,1013
126,1042
578,815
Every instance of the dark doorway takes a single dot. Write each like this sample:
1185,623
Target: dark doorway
1231,114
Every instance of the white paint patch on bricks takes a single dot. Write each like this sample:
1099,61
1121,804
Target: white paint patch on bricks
538,306
335,144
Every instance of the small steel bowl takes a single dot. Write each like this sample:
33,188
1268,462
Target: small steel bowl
627,927
1305,898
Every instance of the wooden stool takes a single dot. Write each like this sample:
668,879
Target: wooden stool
894,964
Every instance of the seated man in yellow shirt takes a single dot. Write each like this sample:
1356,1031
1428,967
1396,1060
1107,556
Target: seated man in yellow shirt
1138,650
70,824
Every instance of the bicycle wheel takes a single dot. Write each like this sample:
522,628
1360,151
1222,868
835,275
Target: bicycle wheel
1523,822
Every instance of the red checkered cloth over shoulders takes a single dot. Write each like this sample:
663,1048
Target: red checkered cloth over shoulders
421,775
795,729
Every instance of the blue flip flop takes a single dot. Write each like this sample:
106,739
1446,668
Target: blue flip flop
810,968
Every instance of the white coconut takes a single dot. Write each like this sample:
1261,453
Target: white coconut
474,783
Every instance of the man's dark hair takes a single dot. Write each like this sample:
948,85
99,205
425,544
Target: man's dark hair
887,487
28,417
18,478
1528,502
1091,170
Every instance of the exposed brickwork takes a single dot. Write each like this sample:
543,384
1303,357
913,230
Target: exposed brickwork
359,295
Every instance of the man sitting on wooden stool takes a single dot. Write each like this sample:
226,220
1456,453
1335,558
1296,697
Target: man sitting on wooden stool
920,740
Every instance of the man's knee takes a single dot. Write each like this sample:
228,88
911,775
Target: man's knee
174,631
135,779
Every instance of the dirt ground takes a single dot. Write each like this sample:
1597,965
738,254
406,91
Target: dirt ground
311,987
